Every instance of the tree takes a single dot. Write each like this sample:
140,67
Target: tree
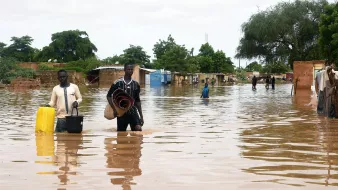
20,49
206,53
328,29
206,64
161,47
254,66
2,48
287,32
112,60
211,61
221,63
135,54
206,50
276,67
174,59
192,64
66,46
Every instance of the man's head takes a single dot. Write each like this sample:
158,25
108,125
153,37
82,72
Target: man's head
62,76
206,85
129,69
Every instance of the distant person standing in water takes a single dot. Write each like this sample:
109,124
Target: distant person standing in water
254,82
205,91
273,81
65,97
267,81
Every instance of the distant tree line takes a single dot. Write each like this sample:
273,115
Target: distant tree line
74,48
291,31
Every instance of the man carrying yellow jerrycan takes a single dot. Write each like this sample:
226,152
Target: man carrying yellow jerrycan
65,97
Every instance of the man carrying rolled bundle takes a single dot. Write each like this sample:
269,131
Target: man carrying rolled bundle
134,115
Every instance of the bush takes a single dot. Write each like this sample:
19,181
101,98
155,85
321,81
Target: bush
9,70
45,67
25,73
83,65
241,74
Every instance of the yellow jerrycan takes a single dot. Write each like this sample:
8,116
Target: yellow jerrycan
45,118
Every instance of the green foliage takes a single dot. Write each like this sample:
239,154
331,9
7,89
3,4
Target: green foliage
206,50
112,60
83,66
2,48
276,67
7,67
161,47
192,64
174,59
214,62
45,67
20,49
67,46
286,32
25,72
206,64
254,66
9,70
328,29
135,54
241,74
222,64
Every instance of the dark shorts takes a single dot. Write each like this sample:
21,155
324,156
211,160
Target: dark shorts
321,103
61,125
131,117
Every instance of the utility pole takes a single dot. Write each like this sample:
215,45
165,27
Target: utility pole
239,61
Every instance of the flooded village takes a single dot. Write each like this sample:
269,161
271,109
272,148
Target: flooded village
162,97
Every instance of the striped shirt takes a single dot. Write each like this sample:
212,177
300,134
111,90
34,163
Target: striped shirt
132,88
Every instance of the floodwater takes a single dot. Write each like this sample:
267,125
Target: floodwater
239,139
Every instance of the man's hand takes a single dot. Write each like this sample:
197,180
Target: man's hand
75,104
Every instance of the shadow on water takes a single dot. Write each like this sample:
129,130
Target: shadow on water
123,157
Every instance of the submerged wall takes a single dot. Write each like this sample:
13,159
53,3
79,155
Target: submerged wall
303,71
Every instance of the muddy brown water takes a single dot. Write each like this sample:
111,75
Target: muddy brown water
239,139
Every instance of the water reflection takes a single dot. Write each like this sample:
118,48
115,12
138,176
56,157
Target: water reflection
299,151
123,156
44,144
66,155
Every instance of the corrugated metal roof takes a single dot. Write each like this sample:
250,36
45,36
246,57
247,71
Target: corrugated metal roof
149,70
110,67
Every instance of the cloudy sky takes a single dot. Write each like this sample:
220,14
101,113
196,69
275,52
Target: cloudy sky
114,24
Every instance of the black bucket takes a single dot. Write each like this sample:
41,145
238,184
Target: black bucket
74,123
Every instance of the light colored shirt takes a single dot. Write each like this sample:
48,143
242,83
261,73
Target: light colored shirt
62,103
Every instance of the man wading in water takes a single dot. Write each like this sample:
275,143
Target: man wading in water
134,116
65,97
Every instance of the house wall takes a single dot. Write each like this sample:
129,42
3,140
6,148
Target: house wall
35,65
304,72
49,78
108,76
